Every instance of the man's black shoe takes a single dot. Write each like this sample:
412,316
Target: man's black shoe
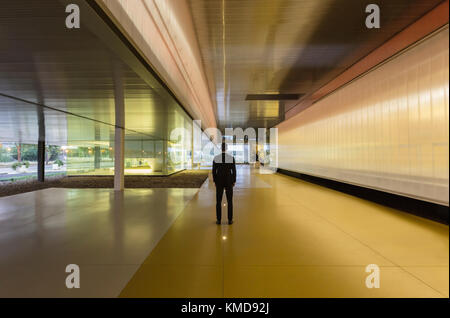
230,222
218,222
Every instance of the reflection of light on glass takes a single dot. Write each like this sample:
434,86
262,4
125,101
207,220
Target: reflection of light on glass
224,237
9,149
138,171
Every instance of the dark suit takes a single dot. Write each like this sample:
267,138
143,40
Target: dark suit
224,176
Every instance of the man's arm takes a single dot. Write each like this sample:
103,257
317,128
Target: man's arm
214,169
234,171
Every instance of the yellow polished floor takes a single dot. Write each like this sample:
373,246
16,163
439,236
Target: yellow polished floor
290,239
293,239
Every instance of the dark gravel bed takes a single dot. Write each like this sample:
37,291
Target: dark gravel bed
183,179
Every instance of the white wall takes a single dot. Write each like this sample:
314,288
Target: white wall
387,130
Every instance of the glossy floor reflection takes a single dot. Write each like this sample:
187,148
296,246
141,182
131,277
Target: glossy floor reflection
294,239
108,234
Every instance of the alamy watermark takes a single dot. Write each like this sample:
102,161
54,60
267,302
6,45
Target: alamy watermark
73,19
373,19
373,279
73,279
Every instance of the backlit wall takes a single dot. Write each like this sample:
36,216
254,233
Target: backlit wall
386,130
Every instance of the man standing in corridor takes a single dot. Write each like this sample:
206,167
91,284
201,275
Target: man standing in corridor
224,176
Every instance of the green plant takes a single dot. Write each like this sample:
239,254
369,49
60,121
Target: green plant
59,162
29,152
53,152
17,164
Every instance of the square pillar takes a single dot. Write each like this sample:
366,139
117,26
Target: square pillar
41,145
41,161
119,158
119,132
97,152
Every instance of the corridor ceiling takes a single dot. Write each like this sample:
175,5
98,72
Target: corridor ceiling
285,47
247,46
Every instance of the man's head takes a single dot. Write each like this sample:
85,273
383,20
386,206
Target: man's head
224,147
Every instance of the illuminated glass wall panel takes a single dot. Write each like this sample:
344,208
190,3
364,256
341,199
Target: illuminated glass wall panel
387,130
90,147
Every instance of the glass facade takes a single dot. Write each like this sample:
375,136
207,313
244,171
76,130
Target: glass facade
90,146
77,112
81,146
89,149
179,142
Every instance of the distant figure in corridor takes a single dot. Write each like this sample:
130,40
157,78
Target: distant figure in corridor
224,176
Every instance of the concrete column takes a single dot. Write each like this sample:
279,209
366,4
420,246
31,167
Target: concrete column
41,161
166,134
119,135
165,159
119,158
246,144
97,154
41,145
